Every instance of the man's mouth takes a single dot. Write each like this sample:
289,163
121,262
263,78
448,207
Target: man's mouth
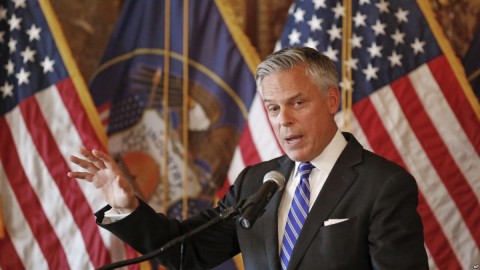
293,139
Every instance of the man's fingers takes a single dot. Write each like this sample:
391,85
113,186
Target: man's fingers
81,175
87,165
75,160
91,157
106,159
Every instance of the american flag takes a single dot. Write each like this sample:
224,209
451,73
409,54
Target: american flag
46,114
411,104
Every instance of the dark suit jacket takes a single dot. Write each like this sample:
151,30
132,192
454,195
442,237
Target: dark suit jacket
379,198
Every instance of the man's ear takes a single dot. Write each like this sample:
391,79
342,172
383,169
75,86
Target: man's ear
333,99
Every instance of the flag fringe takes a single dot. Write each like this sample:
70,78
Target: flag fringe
73,70
452,58
248,51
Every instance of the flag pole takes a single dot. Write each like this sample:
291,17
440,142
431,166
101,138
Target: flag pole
185,105
166,86
346,75
348,15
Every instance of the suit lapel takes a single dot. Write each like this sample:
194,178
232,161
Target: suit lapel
270,218
337,184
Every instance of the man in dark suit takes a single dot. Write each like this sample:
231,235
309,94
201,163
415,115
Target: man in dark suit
350,209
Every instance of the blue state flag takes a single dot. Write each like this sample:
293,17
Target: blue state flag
139,89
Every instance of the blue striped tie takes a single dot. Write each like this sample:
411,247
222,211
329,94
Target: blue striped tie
297,215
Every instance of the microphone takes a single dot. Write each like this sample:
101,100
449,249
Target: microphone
255,204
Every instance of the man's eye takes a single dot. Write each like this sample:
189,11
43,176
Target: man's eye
298,103
272,108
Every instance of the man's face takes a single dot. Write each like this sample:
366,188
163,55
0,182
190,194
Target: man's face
301,117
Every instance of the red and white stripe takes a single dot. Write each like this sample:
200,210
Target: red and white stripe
425,123
104,113
48,219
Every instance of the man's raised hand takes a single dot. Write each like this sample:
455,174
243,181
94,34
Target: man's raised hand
103,172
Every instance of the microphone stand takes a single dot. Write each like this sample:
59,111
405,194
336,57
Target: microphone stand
226,214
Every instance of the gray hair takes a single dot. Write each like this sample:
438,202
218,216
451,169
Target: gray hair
317,65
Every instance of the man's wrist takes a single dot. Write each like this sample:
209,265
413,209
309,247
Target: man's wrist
127,210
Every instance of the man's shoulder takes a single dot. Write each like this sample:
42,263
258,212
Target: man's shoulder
377,161
281,163
367,158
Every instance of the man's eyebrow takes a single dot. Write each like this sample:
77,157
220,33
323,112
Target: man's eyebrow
299,94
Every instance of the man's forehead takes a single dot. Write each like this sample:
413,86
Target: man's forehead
282,98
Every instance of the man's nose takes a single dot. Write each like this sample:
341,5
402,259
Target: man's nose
285,117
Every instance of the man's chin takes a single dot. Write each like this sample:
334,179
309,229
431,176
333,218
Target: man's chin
296,156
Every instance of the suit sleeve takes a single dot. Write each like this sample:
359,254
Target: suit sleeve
396,230
146,231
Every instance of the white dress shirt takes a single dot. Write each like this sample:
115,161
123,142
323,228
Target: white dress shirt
323,165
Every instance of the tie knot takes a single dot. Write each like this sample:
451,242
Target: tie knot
305,168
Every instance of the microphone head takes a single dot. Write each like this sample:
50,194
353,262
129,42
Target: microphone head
276,177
